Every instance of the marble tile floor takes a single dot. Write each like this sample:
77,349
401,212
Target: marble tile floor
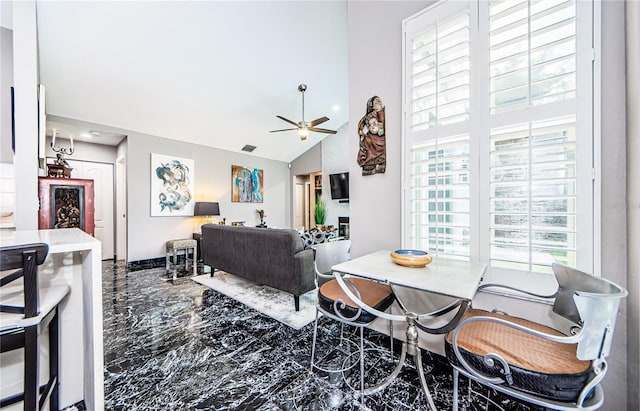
183,346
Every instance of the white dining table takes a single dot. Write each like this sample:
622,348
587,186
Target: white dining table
455,278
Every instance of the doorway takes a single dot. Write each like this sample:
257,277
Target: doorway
306,189
102,175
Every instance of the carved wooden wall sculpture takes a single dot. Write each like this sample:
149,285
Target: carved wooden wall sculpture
372,154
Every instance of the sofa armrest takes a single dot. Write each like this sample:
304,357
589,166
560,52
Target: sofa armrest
303,262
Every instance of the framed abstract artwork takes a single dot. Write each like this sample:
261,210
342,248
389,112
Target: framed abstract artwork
247,185
172,182
66,203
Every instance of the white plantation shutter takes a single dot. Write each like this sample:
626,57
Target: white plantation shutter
440,197
498,148
532,53
440,92
533,194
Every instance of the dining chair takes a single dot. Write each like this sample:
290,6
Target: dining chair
333,303
536,363
27,308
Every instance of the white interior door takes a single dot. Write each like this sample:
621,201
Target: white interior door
102,176
121,209
299,206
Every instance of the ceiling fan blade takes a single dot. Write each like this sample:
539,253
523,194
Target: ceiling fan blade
322,130
284,129
288,121
317,121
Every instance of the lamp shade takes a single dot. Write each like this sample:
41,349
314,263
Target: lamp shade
206,209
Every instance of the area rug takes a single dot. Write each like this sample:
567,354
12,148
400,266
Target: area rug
267,300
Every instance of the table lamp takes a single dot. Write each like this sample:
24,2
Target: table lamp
206,209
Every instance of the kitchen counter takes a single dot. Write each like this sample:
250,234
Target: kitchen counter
75,259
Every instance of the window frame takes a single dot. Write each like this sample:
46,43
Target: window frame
587,113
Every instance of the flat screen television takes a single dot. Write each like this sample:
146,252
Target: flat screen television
339,184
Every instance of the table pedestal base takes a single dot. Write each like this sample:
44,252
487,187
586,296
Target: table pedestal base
414,350
411,347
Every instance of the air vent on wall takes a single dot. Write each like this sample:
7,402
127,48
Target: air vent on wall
248,148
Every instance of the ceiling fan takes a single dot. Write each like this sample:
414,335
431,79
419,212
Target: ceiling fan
302,126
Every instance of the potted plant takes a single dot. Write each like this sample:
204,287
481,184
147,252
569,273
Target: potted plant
319,213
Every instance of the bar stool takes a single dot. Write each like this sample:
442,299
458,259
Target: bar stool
335,304
173,248
27,307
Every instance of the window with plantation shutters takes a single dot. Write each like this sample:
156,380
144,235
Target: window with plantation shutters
498,137
440,77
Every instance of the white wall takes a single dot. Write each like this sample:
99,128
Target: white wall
6,81
7,168
375,69
147,235
374,29
25,80
308,162
613,238
633,200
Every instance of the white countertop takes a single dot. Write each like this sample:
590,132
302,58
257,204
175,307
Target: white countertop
60,240
81,340
442,276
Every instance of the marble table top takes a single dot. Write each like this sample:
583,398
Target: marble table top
445,276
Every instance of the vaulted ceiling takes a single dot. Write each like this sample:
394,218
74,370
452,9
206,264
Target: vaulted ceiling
213,73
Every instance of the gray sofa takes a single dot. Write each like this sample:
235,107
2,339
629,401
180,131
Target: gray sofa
274,257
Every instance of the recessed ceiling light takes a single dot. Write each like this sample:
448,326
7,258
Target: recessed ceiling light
336,108
94,133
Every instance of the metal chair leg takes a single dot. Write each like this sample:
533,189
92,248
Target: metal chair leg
456,375
391,338
361,366
315,335
54,360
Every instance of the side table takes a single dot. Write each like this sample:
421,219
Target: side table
173,249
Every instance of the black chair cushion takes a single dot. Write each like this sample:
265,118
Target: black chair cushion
376,295
538,366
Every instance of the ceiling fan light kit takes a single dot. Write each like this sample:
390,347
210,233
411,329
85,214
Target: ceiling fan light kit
303,133
302,126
